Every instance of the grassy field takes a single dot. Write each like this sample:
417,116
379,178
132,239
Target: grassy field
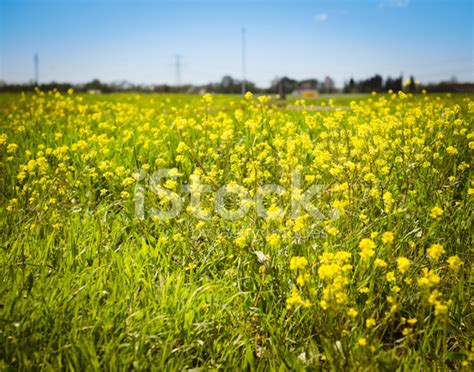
174,232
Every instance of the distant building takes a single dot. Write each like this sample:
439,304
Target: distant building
306,91
328,85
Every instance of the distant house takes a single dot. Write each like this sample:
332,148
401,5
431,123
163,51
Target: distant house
305,90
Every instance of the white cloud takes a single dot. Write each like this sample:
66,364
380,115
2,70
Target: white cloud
321,17
394,3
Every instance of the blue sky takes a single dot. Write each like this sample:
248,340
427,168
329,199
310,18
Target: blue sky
78,40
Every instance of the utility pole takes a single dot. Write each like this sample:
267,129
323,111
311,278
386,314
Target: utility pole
177,66
36,63
243,61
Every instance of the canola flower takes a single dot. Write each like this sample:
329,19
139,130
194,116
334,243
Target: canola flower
376,273
388,237
298,263
367,248
403,264
435,251
454,263
362,341
436,212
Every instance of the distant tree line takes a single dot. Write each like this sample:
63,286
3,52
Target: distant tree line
228,85
377,84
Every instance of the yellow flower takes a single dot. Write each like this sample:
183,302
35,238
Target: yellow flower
362,341
436,212
433,298
451,150
273,239
380,262
263,99
119,171
207,98
273,212
436,251
401,94
352,312
454,263
169,184
403,264
366,248
390,276
332,230
388,237
441,308
128,181
428,279
328,271
388,201
299,224
369,323
295,299
302,279
11,148
343,256
298,262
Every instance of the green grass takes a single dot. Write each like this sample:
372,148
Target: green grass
85,285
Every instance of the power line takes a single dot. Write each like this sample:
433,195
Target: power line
178,66
36,70
243,61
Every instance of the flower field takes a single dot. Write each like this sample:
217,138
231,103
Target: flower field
179,232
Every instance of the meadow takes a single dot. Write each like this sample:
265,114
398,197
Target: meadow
175,232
